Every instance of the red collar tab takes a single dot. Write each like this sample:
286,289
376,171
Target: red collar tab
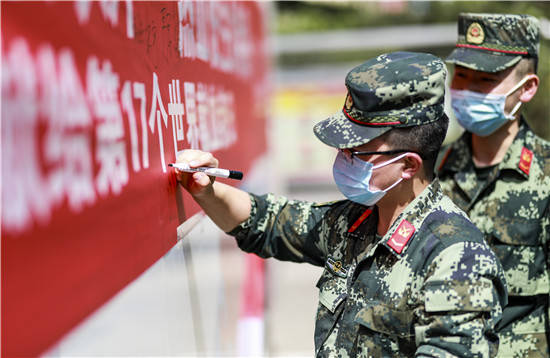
401,236
358,222
525,160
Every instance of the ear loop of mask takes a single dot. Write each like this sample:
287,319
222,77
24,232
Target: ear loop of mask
510,116
389,162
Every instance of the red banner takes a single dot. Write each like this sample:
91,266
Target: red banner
97,98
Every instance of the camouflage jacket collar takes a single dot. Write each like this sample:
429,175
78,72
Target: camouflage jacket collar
459,157
512,158
414,214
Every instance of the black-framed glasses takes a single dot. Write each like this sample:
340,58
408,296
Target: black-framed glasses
352,154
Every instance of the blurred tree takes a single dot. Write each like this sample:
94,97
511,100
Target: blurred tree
300,16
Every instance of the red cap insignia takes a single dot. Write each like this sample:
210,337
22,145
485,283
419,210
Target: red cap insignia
401,236
525,160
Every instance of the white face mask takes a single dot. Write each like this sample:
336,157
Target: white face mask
352,176
482,113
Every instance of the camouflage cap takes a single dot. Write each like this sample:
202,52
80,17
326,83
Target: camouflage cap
494,42
395,90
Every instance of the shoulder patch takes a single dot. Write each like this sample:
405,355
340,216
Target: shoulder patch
525,160
401,236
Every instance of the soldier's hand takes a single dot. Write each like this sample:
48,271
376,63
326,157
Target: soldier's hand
197,184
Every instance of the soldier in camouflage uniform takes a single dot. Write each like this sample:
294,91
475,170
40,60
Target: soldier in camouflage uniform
499,170
405,271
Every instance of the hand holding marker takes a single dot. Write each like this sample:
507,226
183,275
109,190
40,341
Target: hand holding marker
215,172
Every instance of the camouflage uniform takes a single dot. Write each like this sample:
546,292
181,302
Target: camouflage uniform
510,202
431,286
512,208
441,295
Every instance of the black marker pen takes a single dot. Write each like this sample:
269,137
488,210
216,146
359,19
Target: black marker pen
216,172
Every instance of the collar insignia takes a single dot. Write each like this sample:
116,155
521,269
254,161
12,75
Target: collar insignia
401,236
525,160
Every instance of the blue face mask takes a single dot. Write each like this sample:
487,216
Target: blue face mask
352,176
481,113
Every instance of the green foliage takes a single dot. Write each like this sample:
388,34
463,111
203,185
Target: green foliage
297,16
300,16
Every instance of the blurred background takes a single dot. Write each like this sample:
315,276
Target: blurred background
313,45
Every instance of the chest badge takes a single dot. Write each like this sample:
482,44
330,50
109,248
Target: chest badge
401,236
336,267
525,160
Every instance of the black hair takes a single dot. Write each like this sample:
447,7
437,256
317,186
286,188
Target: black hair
425,139
525,67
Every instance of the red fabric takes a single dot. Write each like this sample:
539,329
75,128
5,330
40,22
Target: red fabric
253,287
358,222
68,68
401,236
526,160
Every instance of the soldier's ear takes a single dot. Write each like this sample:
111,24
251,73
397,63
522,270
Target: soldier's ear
413,164
529,88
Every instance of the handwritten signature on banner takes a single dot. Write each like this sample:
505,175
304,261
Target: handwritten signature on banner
82,126
215,32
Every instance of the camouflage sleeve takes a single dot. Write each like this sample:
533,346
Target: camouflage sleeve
464,294
285,229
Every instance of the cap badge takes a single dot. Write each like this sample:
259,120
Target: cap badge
525,160
401,236
349,102
475,34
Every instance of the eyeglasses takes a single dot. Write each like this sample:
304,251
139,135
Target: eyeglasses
350,154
